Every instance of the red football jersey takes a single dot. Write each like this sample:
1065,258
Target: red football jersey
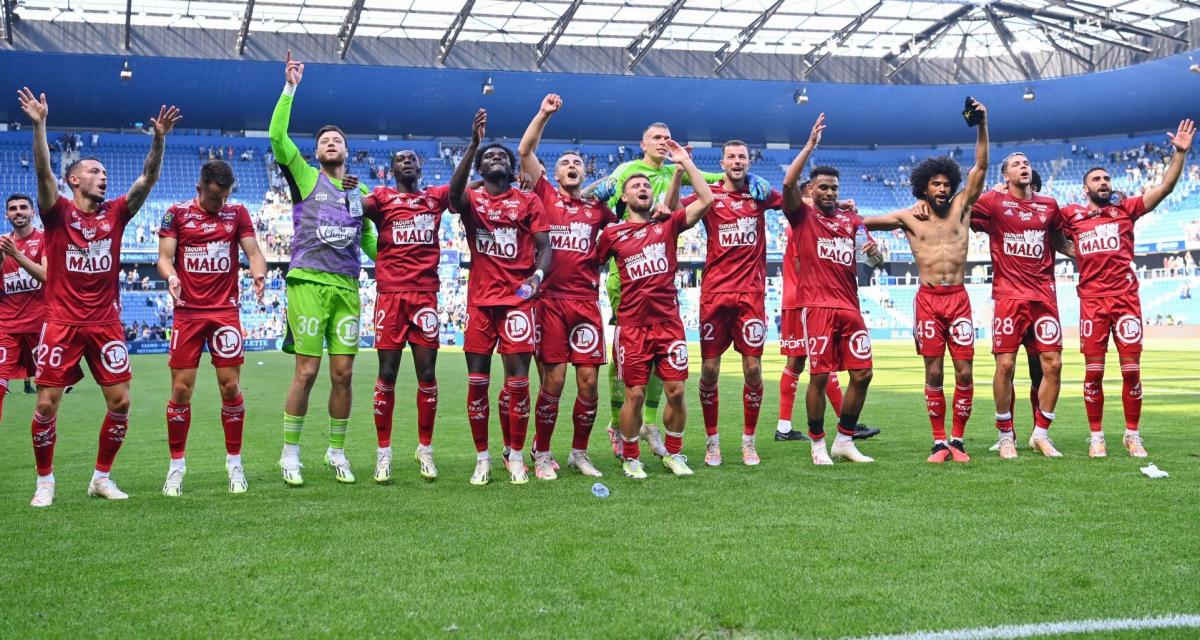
206,258
646,258
409,250
1021,235
574,225
500,233
791,273
736,226
22,306
1104,246
825,246
83,261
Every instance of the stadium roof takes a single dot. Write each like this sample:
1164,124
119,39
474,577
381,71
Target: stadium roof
1026,39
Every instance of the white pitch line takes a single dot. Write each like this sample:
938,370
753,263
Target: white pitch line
1009,632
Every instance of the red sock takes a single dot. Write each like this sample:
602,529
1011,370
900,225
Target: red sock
1131,394
674,443
787,393
1093,395
546,415
751,405
833,391
1042,420
427,399
935,403
518,412
964,401
385,405
112,434
1005,424
709,405
630,448
478,408
233,419
583,418
179,420
503,407
44,436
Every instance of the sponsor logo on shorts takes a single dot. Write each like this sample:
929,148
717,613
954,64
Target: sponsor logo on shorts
517,326
114,357
347,331
962,332
585,338
677,355
1129,329
1047,331
227,342
860,344
754,332
426,321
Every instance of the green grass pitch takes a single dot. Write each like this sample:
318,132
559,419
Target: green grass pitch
781,550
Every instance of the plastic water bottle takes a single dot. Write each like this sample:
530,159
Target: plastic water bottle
524,291
355,198
861,238
599,490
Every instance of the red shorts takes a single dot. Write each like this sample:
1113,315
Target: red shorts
837,339
1033,323
222,333
1119,315
18,356
570,331
791,334
62,346
512,327
737,318
407,317
942,319
639,347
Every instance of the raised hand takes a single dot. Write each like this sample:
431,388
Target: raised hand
551,104
293,70
349,183
167,117
479,126
982,110
1182,138
7,246
677,153
35,108
662,213
814,138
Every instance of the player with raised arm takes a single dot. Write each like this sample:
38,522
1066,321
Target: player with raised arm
406,310
1108,289
1024,230
22,303
323,302
568,308
649,330
834,332
197,256
83,307
942,309
510,256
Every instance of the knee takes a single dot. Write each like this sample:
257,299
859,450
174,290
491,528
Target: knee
635,396
307,373
1051,363
933,378
862,377
752,370
964,378
554,381
674,392
426,375
710,370
341,377
181,392
586,383
46,407
818,381
230,389
119,404
387,372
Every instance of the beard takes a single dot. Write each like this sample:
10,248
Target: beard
1099,200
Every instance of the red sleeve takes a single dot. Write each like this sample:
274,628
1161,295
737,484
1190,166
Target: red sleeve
441,193
245,224
981,212
603,247
52,216
688,199
774,201
121,207
1135,207
537,215
797,215
543,189
679,220
609,216
168,229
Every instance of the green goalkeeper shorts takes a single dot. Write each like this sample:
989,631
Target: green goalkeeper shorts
320,315
613,285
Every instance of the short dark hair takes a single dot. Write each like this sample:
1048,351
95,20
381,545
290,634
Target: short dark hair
823,170
655,125
803,185
734,143
512,159
1035,180
327,128
75,165
621,206
931,167
18,196
1008,158
218,172
570,152
1089,172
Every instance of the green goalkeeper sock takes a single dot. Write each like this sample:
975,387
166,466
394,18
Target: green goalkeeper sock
293,426
616,397
337,432
654,390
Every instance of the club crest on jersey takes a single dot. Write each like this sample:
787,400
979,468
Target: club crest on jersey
420,229
500,242
836,250
1105,238
650,261
210,257
1030,243
1129,329
576,236
741,233
228,226
584,339
96,257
